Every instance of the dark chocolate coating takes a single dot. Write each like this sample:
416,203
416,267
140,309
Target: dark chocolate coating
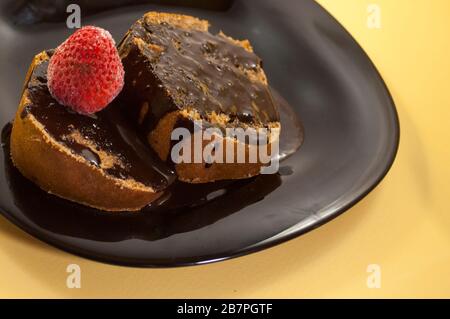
195,70
108,130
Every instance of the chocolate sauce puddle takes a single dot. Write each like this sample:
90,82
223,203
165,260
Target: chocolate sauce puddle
183,208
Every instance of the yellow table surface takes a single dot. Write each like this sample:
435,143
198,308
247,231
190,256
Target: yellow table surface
403,225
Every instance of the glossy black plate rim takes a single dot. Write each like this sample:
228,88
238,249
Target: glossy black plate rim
268,243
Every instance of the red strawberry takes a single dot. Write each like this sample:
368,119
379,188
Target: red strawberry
85,73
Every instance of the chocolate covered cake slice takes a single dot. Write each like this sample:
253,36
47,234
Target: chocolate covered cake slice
97,160
177,74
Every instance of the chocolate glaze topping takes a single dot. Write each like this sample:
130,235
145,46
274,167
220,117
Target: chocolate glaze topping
171,69
106,131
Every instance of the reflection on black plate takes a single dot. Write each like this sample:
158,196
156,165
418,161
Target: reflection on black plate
351,140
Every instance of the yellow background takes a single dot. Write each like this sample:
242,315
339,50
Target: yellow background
404,225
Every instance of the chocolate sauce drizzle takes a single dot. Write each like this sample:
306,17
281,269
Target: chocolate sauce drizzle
108,131
171,68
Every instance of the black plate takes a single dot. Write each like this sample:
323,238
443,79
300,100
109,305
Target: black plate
351,138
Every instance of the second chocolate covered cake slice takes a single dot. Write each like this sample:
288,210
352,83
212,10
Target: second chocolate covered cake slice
177,74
